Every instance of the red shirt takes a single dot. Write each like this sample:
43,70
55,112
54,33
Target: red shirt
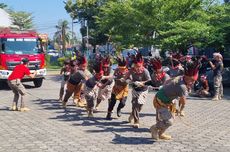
19,72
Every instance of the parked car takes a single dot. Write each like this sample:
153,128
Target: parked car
53,52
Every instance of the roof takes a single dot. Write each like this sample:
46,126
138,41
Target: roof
8,33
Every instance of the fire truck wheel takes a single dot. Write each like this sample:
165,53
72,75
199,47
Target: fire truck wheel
38,82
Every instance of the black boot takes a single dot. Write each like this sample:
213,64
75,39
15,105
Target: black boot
119,112
120,106
108,117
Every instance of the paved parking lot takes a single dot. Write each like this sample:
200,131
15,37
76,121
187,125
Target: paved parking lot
47,127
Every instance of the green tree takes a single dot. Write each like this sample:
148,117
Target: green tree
62,35
165,23
85,11
219,21
22,20
3,6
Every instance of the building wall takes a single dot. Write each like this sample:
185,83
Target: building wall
5,20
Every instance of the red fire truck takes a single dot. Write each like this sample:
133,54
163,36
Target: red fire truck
16,45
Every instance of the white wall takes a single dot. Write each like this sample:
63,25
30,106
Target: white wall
5,20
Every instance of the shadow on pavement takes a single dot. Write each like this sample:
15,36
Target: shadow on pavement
68,114
54,78
79,117
5,108
119,139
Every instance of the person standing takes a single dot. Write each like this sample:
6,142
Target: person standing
217,68
14,82
163,100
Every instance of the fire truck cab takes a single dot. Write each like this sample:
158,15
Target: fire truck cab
16,45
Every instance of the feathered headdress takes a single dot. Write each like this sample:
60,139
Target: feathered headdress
156,63
106,61
98,67
138,59
98,70
175,63
191,68
121,61
177,56
82,60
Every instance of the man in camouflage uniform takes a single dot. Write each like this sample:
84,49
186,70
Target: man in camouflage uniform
217,68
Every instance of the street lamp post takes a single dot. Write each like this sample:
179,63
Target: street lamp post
87,37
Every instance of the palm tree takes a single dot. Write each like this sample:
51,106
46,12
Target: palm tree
62,36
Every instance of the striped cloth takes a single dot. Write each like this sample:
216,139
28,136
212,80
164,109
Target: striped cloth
91,92
140,96
105,93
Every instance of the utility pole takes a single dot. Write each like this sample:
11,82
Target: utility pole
72,32
87,37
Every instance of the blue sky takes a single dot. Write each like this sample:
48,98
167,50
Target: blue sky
46,13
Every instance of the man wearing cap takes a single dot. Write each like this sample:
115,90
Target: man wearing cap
217,68
163,100
14,82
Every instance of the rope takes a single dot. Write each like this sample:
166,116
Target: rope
35,96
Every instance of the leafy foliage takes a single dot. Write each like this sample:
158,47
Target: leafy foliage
3,6
62,35
84,11
22,19
167,24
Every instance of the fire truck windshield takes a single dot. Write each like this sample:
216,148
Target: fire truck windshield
19,46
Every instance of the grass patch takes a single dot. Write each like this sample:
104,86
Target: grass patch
53,67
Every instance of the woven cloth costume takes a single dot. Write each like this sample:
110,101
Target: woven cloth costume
91,87
105,92
140,76
120,88
75,83
175,88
